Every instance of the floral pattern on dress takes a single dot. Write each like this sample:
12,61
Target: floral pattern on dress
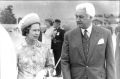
33,59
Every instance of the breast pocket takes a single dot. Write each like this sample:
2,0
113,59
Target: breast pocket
100,46
100,50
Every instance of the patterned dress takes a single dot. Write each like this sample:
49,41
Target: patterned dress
34,61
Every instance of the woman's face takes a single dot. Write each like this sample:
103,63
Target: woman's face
34,32
47,24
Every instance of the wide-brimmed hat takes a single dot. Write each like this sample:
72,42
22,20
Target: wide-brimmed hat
29,19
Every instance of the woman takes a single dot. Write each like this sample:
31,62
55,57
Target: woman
34,58
49,32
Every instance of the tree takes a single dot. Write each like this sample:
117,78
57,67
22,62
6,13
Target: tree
7,16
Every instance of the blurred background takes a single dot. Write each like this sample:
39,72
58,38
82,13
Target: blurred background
11,12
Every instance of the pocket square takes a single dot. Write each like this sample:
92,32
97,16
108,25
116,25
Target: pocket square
101,41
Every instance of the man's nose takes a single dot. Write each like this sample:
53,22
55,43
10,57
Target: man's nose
78,19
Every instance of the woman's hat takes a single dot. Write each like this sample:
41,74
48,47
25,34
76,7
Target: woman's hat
28,20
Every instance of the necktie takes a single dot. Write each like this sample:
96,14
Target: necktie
85,34
85,47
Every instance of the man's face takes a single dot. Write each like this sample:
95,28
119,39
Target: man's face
56,24
83,19
34,32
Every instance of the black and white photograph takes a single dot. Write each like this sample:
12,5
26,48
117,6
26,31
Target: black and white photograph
59,39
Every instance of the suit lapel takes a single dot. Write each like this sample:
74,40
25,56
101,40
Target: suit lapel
93,41
79,41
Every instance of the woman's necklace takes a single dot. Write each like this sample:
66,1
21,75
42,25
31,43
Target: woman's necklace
31,44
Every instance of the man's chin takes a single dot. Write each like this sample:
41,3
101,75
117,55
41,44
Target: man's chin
35,39
80,25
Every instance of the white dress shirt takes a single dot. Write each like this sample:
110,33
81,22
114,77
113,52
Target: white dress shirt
89,30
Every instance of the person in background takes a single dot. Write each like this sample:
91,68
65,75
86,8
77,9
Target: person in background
34,57
15,34
87,51
40,37
117,52
117,56
49,32
57,42
8,62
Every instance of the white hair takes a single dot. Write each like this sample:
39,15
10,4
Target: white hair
90,9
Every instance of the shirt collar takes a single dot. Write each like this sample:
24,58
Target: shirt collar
89,29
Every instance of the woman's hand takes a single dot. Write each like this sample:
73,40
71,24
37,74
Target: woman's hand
41,74
51,71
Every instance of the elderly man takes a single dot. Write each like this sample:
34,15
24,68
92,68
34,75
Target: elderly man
87,51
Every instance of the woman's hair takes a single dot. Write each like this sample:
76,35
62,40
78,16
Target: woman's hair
57,20
25,30
50,21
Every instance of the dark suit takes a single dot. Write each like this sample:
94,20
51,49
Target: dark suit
100,60
57,42
117,56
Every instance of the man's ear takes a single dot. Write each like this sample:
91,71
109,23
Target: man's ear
91,17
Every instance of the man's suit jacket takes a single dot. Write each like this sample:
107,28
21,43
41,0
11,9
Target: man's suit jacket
100,59
117,56
57,41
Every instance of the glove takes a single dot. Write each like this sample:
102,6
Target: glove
41,74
